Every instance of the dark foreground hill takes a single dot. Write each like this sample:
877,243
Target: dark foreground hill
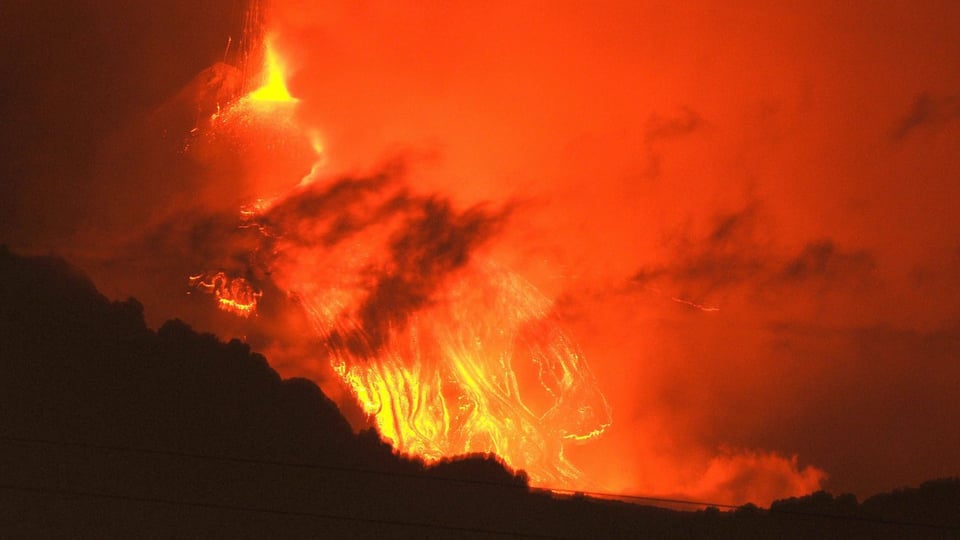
109,429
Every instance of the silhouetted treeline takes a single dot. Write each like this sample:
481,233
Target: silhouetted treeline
109,429
936,502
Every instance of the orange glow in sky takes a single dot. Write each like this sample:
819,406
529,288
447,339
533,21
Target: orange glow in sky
732,223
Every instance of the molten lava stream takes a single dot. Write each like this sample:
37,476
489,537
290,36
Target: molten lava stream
454,379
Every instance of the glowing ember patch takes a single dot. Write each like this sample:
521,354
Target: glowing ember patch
234,295
251,211
274,86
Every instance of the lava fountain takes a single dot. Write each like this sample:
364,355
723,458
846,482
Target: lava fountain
447,351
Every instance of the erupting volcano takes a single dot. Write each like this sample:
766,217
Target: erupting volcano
628,247
449,353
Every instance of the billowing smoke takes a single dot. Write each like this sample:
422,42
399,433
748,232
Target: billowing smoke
410,245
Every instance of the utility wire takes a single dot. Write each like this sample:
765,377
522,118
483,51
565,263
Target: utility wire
273,511
244,460
523,486
619,496
343,468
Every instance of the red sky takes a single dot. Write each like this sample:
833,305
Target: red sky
791,170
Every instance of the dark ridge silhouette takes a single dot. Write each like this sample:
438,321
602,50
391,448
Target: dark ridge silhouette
111,430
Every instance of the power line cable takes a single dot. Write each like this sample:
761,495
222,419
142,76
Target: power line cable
343,468
274,511
421,476
246,460
608,495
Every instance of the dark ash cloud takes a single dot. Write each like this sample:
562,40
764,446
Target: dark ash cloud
823,259
660,130
730,255
928,111
426,241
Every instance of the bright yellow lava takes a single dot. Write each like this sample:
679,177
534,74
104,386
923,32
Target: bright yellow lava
274,87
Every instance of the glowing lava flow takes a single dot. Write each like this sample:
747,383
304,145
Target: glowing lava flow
458,378
450,356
